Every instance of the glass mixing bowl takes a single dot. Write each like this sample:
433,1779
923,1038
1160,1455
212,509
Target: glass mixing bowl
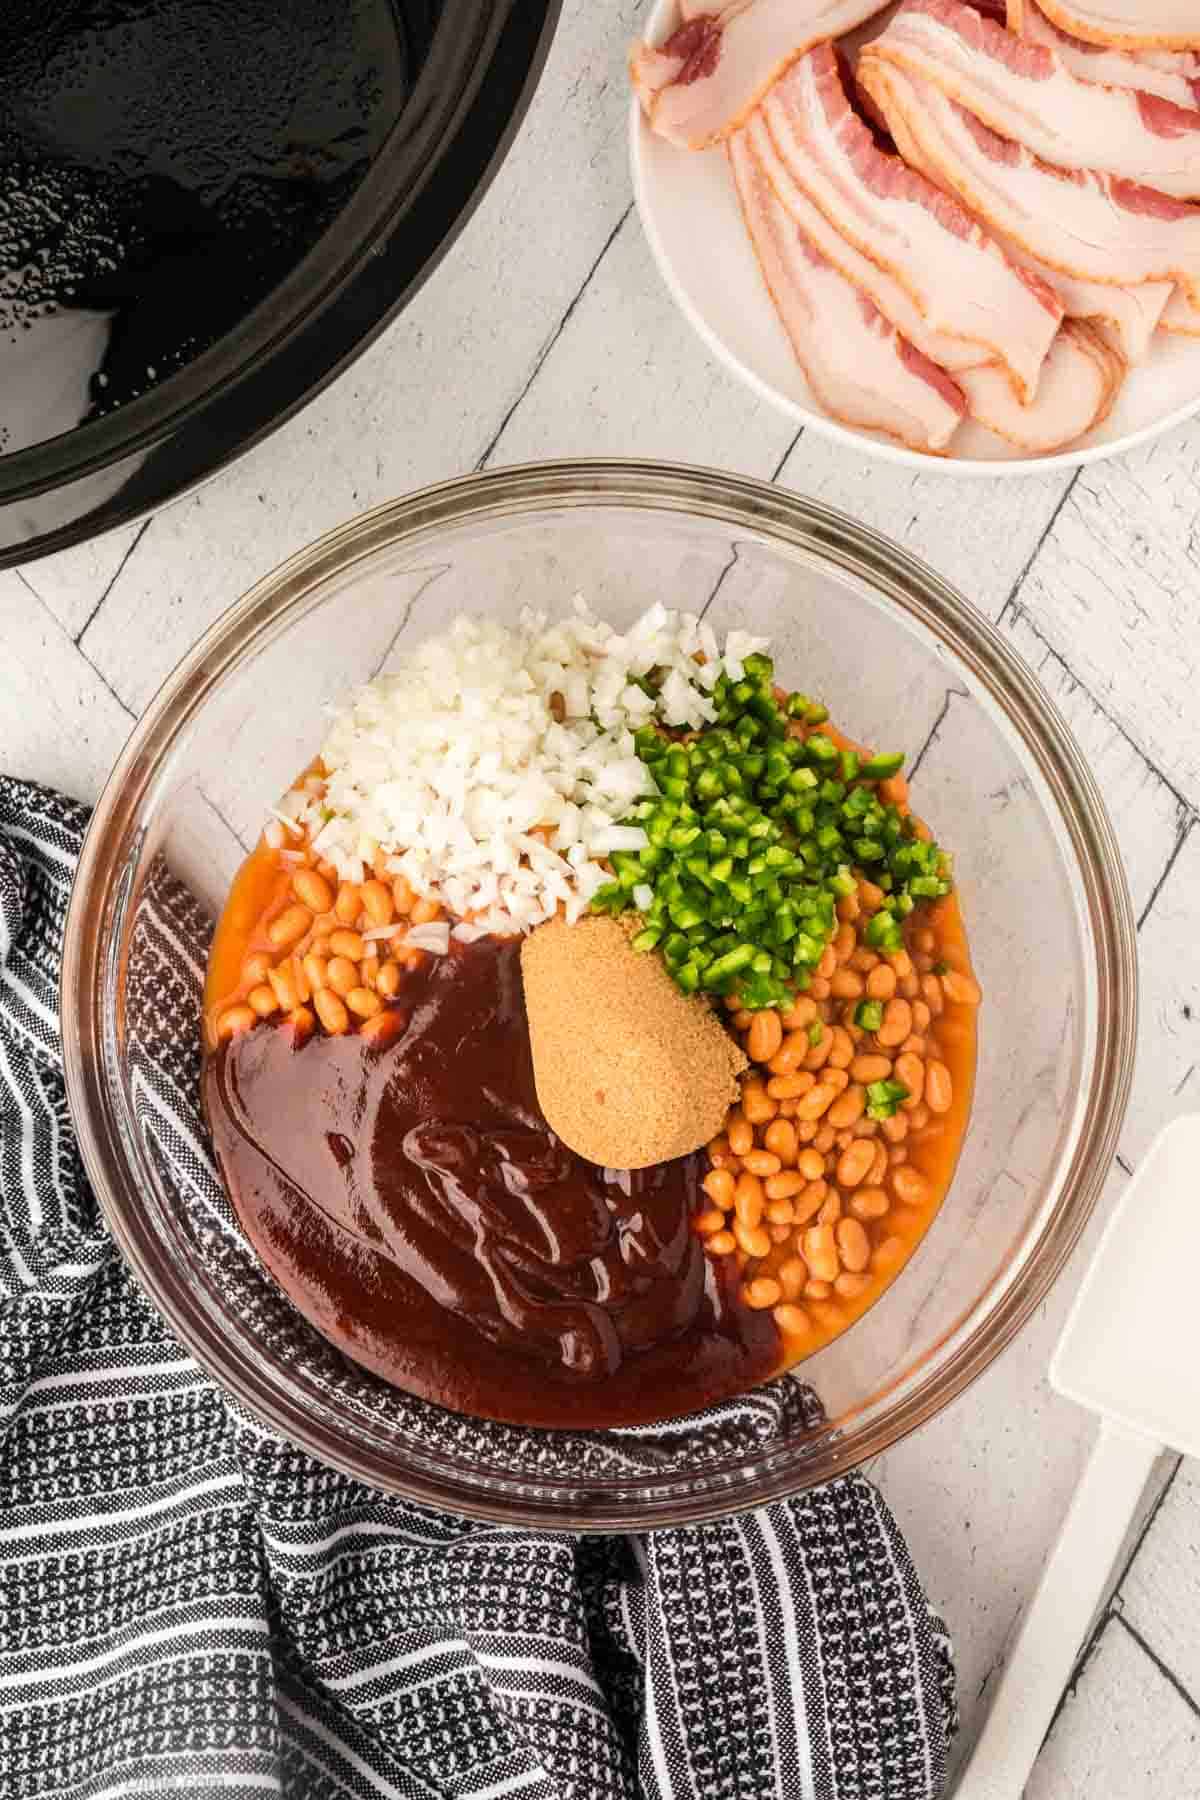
901,660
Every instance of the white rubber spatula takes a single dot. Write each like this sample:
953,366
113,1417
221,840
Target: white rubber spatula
1131,1352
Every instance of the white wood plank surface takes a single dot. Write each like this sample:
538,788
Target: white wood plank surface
547,332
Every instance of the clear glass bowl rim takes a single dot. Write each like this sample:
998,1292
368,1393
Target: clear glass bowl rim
681,491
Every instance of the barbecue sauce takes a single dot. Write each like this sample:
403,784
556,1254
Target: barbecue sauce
411,1200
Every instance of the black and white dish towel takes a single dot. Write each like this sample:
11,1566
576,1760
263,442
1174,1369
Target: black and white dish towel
189,1605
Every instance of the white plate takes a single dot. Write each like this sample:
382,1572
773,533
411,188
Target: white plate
693,223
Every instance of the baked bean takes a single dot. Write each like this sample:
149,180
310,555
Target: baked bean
722,1243
302,984
761,1162
713,1219
924,939
844,941
837,1079
831,1210
791,1320
301,1022
897,1023
846,984
348,905
824,1139
282,980
808,1204
740,1133
893,791
791,1087
913,1045
898,1154
902,962
765,1035
855,1163
910,1070
815,1101
962,989
791,1053
791,1276
787,1184
363,1002
817,1290
939,1090
820,1252
931,993
802,1012
842,1053
254,969
811,1165
758,1103
402,896
316,971
881,982
331,1012
870,897
922,962
778,1234
289,926
743,1020
377,902
263,1000
819,1053
889,1255
341,974
910,985
921,1016
387,982
762,1293
909,1185
312,890
848,907
847,1109
718,1184
869,1203
870,1068
780,1139
806,1129
348,944
748,1201
853,1244
818,987
879,1167
752,1239
827,963
779,1212
425,912
850,1287
895,1129
919,1117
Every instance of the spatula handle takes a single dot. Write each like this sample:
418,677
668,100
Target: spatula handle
1052,1632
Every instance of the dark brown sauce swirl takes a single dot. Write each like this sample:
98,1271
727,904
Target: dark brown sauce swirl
414,1204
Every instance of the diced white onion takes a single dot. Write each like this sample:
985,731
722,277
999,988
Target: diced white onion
643,896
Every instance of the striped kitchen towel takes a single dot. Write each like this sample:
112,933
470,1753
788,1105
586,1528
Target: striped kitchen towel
188,1604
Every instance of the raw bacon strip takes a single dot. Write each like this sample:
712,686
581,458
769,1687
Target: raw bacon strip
858,366
1079,383
1127,316
1131,24
710,74
882,289
1023,92
1175,78
1084,224
961,282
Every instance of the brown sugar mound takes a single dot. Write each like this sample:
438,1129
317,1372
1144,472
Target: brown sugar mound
629,1070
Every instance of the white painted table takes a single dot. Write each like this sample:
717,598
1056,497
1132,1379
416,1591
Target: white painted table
545,333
